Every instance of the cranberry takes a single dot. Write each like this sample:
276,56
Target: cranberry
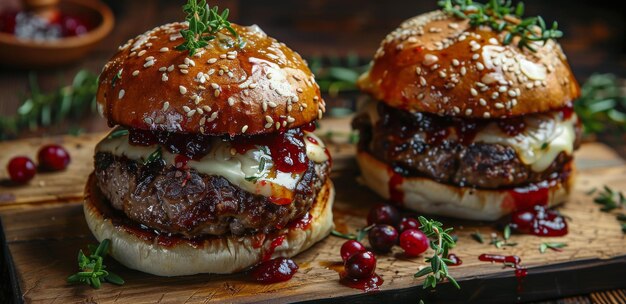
53,158
414,242
408,223
349,248
360,265
383,237
21,169
383,214
275,270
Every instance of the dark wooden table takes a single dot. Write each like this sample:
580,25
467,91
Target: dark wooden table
595,42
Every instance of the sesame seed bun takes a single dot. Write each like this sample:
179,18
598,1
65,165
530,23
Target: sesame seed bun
222,255
429,196
440,64
255,89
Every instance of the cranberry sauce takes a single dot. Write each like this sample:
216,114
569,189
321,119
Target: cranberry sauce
274,270
193,146
371,283
513,260
55,25
302,223
456,261
524,198
539,221
270,251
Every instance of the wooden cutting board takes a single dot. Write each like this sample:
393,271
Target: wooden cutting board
44,227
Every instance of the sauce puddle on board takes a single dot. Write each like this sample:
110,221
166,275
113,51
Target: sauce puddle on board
539,221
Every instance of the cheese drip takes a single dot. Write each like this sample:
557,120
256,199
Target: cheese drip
544,138
243,170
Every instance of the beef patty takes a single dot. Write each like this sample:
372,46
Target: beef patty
398,139
189,203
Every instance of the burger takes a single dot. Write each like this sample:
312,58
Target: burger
212,165
467,120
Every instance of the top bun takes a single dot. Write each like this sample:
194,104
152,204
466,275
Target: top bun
440,64
221,90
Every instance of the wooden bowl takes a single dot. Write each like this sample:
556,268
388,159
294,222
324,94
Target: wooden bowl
23,53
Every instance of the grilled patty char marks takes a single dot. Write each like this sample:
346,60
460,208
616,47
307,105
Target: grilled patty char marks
398,140
192,204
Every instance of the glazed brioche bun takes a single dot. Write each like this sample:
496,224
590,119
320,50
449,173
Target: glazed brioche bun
426,195
220,90
440,64
222,255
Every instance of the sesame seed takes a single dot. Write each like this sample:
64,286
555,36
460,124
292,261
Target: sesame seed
164,49
455,62
420,96
148,64
269,119
512,93
215,85
495,95
252,85
162,69
213,117
141,53
468,112
149,58
191,113
148,120
190,62
430,59
457,110
217,93
499,105
319,114
231,101
482,102
272,104
480,66
184,71
200,111
264,106
290,119
135,73
442,74
182,89
269,75
164,77
299,90
268,125
277,125
206,108
486,115
463,71
223,56
166,105
211,61
202,120
244,129
422,81
473,92
502,89
186,109
121,94
475,57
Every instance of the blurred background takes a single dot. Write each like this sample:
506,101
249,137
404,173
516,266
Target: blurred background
336,37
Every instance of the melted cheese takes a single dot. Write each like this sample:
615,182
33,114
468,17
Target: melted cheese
543,139
242,170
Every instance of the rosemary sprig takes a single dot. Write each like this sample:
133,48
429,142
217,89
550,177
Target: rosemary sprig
502,16
204,25
42,109
611,200
441,242
154,156
554,246
91,270
602,104
478,237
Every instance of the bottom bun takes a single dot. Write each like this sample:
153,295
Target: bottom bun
429,196
149,253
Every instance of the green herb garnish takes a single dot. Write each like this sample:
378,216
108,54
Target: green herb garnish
602,104
42,109
502,16
119,132
611,200
204,24
478,237
154,156
554,246
361,233
441,242
255,178
91,270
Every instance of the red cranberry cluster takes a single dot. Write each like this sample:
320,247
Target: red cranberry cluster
389,229
50,157
385,223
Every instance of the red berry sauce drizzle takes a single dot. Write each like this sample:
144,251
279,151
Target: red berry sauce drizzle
511,260
532,216
275,270
456,261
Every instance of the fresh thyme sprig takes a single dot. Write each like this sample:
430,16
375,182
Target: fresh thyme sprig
441,242
611,200
502,16
360,235
204,24
92,271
